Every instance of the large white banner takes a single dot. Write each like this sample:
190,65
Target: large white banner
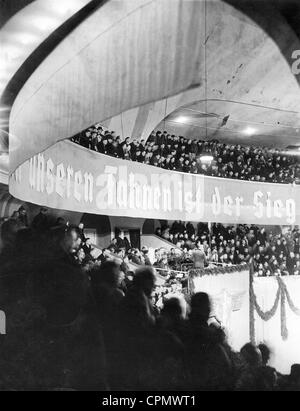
70,177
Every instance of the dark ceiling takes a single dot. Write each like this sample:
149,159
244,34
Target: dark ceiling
235,123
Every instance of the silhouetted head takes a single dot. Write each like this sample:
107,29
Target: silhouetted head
109,273
173,310
251,355
71,240
25,240
9,230
295,374
200,306
61,290
60,221
265,353
144,280
22,210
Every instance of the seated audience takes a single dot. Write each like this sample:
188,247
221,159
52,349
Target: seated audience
181,154
255,375
293,380
271,253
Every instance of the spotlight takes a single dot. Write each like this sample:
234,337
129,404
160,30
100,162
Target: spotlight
181,119
249,131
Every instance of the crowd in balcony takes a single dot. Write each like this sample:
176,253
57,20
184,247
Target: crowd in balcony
181,154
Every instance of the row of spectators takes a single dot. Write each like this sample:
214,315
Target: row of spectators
271,253
180,154
201,246
194,247
69,328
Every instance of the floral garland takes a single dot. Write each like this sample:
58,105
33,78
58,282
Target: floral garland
283,326
283,296
200,272
268,314
289,300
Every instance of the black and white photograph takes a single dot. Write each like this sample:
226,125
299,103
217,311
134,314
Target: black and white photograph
149,198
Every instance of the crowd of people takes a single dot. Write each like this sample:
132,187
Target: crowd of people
181,154
272,253
78,320
195,246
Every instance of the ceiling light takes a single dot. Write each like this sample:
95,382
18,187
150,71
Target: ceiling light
249,131
181,119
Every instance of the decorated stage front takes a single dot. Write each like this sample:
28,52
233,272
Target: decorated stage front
257,309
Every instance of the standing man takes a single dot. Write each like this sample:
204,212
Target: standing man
199,257
40,222
122,241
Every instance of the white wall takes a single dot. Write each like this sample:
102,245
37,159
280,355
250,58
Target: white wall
229,294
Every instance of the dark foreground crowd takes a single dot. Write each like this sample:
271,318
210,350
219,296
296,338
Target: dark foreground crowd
181,154
74,329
